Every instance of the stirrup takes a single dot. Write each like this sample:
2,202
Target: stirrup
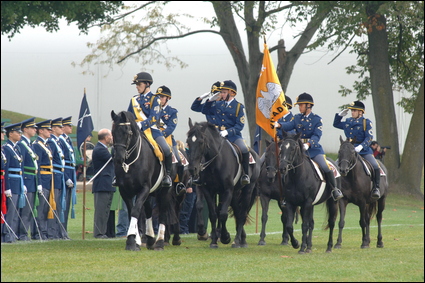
337,194
180,189
245,180
283,203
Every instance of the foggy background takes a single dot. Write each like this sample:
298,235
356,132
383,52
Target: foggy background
37,77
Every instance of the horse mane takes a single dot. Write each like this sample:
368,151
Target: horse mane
202,127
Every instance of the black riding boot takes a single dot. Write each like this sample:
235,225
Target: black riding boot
336,193
166,181
245,164
375,192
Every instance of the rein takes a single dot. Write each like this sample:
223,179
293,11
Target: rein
137,145
290,166
207,163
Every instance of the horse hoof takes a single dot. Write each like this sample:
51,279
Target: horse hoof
328,251
337,246
213,246
226,239
166,243
284,243
235,245
380,245
244,245
296,245
308,251
135,248
301,252
159,245
261,243
364,247
158,249
203,237
177,242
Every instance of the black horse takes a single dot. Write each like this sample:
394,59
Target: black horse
139,173
269,187
356,187
303,187
214,156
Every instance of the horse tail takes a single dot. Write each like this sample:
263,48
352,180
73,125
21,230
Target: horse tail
372,209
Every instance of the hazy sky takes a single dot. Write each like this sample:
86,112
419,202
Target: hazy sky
37,77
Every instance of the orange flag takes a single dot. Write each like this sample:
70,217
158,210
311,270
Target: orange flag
270,99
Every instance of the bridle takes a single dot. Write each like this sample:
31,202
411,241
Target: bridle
207,163
349,162
137,145
290,163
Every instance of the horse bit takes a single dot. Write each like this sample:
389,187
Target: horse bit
137,145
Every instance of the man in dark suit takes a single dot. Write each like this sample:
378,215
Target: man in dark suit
102,185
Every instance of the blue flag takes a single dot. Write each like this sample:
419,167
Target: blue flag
85,122
257,139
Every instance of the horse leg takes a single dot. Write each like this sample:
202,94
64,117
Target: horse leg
288,223
364,224
213,219
342,203
381,207
285,236
202,232
264,217
307,229
149,231
134,241
332,213
224,234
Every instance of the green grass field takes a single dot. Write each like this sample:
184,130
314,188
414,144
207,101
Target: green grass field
91,259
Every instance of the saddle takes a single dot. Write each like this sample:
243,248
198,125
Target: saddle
319,173
238,154
368,168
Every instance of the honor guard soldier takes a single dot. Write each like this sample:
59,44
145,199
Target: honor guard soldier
2,177
56,228
359,128
70,172
197,105
310,126
286,118
230,120
45,193
168,123
31,176
15,189
147,109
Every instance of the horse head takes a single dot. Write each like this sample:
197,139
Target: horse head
270,160
123,131
200,138
346,156
291,152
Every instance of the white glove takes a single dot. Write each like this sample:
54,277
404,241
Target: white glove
40,189
215,97
8,193
204,95
358,148
69,183
276,125
343,113
306,146
25,189
139,124
224,133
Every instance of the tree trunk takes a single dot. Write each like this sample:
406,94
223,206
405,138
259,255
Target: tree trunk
382,93
412,162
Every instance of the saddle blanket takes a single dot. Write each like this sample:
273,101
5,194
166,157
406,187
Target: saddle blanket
185,162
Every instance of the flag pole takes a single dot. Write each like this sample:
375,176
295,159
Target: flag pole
84,185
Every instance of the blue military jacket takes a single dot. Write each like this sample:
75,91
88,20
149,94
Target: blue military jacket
227,117
310,128
14,167
285,118
360,129
58,161
44,160
147,110
30,166
168,120
197,106
68,152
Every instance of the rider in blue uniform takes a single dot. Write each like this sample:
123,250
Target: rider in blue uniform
147,109
359,129
168,123
310,126
230,120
